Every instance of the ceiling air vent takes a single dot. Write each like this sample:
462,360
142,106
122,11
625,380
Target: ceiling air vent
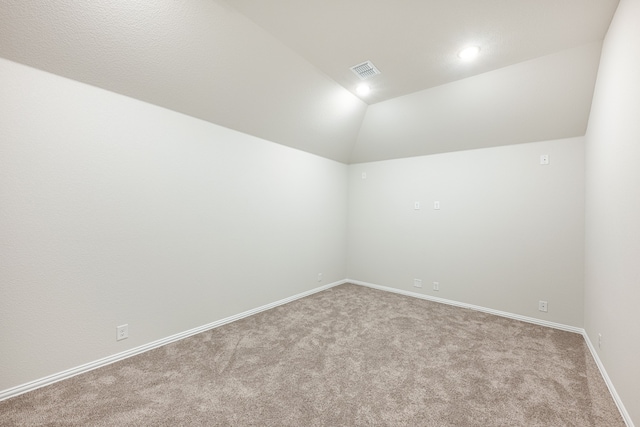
365,70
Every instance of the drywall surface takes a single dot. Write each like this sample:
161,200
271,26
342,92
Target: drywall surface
612,291
509,231
537,100
114,211
198,57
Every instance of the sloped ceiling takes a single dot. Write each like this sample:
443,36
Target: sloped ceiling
279,69
415,42
536,100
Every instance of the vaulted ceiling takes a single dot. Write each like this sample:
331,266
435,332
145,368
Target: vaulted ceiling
279,69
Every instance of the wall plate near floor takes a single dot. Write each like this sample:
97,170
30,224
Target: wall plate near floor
417,283
122,332
599,340
542,306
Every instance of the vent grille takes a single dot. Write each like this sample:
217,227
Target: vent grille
365,70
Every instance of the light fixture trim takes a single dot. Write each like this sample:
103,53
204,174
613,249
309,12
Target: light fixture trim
363,89
469,53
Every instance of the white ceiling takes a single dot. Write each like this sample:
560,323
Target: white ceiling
279,69
414,43
540,99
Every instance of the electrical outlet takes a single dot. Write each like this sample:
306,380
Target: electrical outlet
436,205
319,277
599,340
436,286
544,159
417,283
122,332
542,306
416,206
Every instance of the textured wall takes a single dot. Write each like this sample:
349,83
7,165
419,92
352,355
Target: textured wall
509,232
116,211
612,291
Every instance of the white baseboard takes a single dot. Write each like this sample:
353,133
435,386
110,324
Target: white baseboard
616,398
50,379
472,307
42,382
614,394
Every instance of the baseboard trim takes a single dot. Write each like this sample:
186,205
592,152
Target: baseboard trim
50,379
616,398
614,394
472,307
42,382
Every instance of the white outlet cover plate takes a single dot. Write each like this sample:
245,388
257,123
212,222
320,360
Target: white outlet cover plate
122,332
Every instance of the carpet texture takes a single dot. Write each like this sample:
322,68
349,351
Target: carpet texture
347,356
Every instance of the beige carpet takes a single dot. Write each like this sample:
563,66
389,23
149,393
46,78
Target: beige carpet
348,356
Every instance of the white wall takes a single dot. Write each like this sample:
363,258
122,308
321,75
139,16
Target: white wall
510,232
115,211
612,291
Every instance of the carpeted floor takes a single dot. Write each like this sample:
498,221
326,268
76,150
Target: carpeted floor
348,356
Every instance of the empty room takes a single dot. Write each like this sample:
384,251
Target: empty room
322,213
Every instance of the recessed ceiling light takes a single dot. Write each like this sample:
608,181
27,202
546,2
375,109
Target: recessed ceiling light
469,53
363,89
